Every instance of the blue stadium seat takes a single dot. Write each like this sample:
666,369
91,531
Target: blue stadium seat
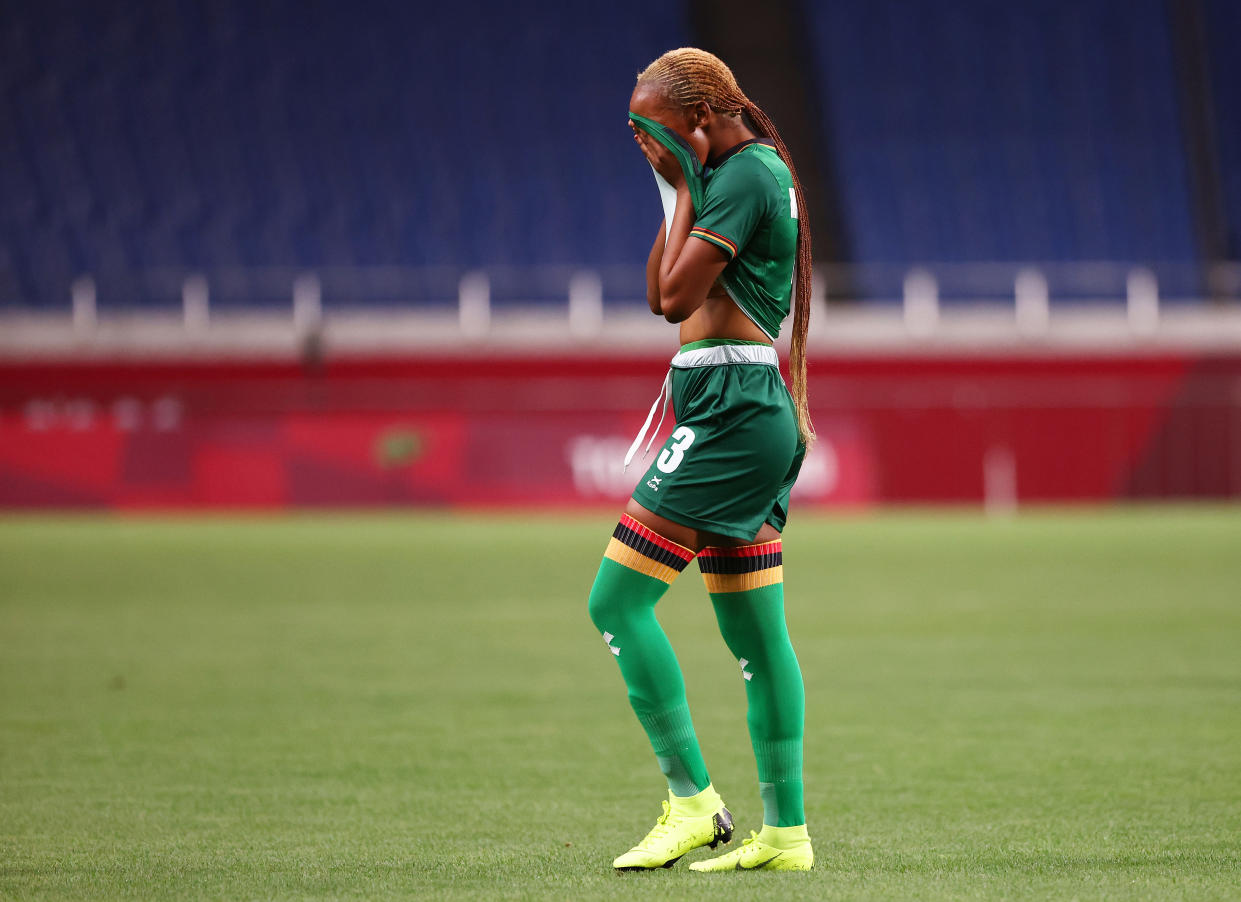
977,130
1223,32
204,134
201,134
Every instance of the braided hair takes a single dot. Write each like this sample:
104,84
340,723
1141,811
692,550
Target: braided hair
687,76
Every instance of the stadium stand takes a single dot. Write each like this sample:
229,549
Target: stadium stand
1223,28
977,131
231,133
146,141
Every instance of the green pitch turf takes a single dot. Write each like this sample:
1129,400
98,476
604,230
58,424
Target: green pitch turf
417,706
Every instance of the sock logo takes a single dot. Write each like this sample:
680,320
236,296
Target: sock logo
607,639
746,675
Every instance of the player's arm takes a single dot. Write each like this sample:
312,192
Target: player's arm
689,267
652,271
686,269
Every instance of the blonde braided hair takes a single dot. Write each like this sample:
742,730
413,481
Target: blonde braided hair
687,76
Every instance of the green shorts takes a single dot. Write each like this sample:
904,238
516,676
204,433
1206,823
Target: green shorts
732,459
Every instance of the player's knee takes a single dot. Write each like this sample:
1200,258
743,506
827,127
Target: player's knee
597,606
611,609
735,642
603,605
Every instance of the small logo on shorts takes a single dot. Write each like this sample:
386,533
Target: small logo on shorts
654,482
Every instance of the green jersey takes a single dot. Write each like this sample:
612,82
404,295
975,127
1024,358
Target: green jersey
749,211
746,206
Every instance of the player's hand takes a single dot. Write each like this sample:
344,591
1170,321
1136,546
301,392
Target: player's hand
660,157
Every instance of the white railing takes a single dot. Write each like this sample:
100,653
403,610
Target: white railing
987,302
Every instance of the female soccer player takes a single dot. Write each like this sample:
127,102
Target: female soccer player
724,267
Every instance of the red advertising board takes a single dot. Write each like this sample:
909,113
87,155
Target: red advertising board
522,430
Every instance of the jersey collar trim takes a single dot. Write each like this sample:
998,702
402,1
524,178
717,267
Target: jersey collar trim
717,162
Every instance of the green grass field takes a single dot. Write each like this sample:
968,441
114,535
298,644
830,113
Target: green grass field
417,706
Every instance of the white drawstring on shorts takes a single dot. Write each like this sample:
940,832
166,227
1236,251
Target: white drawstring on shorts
665,396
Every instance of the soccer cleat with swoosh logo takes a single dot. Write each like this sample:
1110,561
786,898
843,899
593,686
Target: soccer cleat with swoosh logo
756,855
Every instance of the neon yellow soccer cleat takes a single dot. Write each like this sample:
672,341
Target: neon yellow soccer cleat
682,828
756,855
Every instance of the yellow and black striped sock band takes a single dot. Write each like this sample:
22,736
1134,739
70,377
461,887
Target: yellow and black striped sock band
741,569
639,548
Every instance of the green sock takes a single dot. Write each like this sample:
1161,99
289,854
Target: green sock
636,571
747,589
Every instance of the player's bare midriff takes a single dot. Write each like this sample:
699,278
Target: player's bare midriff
720,317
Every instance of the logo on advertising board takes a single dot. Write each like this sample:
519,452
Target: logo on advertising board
596,463
837,469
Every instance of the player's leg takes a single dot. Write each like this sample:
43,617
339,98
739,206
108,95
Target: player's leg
713,473
746,584
637,568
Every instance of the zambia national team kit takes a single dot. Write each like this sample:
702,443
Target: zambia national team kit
731,462
726,469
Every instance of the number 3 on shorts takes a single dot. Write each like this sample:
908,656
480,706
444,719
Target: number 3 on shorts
670,457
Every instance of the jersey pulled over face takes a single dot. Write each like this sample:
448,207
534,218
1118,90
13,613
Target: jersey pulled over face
749,211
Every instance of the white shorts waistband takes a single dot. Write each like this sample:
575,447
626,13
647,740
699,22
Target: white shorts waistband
716,355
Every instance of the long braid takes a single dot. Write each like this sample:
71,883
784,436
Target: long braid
802,286
689,75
